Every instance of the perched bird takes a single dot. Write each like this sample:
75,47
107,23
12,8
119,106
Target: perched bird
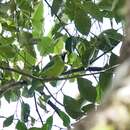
54,68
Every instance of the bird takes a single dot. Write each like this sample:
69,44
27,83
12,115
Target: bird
54,68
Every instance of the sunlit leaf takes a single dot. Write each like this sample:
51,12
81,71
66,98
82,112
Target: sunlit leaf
45,46
54,68
59,46
65,118
37,20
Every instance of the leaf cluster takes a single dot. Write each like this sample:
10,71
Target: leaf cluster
72,38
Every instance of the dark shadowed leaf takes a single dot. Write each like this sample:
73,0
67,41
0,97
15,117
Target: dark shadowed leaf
70,44
25,112
8,121
72,107
93,9
114,59
12,95
88,108
108,39
55,6
82,21
86,89
105,78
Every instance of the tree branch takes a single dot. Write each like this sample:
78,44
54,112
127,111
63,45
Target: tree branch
55,78
37,109
83,69
11,85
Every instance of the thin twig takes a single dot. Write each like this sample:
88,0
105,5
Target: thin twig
56,109
37,109
52,95
58,18
82,69
101,55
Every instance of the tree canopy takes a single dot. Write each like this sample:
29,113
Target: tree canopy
72,48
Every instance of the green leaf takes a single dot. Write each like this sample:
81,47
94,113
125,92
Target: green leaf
74,60
106,4
86,89
59,46
41,102
70,44
55,6
21,126
27,42
35,85
8,121
70,8
54,68
25,92
99,94
114,59
45,46
105,78
25,112
86,51
8,51
4,7
88,108
65,118
12,95
82,21
93,10
72,107
6,48
27,57
48,124
35,128
25,5
108,39
37,20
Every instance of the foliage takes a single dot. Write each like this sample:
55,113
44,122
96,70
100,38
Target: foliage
24,46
